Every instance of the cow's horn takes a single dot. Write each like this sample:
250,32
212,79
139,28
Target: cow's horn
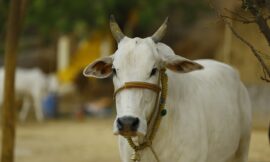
115,29
158,35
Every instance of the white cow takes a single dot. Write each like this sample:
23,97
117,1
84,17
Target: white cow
32,85
209,111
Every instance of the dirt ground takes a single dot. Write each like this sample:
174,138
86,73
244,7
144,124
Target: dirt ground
91,141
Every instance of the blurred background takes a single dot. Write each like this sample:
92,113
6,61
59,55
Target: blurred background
60,112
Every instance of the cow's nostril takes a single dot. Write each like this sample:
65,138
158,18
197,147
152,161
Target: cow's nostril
135,124
127,123
119,124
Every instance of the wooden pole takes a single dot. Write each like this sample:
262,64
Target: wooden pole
9,112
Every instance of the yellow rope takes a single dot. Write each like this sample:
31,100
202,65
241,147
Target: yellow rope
157,120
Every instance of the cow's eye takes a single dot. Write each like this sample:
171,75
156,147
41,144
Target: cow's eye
114,71
153,72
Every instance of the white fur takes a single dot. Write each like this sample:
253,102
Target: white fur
33,85
209,112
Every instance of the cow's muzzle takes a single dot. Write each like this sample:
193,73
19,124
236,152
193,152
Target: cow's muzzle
127,125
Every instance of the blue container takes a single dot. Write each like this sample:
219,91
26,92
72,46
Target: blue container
49,106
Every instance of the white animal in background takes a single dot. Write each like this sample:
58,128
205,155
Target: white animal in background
32,85
209,111
52,83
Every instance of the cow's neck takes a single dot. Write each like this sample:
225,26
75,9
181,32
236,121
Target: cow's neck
168,122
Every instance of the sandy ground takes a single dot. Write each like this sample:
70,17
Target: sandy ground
90,141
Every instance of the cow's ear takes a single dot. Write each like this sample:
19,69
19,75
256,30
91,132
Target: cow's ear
174,62
101,68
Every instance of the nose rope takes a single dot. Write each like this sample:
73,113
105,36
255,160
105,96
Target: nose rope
156,116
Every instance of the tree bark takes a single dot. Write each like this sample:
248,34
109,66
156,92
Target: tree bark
9,112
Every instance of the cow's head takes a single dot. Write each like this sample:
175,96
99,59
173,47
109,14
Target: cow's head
137,59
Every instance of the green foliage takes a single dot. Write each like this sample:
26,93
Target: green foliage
154,11
49,17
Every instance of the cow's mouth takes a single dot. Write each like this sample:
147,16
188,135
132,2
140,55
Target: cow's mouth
128,133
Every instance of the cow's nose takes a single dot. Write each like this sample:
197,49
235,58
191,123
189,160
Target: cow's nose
127,123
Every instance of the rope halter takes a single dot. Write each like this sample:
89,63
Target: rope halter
141,85
156,116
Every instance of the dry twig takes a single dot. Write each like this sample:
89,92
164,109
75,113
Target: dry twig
257,53
240,17
261,21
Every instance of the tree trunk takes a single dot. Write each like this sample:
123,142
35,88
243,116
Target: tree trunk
16,12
